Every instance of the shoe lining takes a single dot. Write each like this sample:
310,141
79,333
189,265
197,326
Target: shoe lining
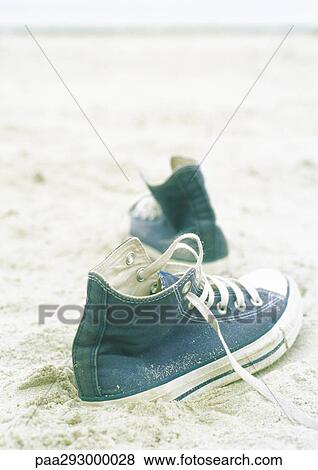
122,276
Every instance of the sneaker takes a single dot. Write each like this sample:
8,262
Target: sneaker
151,331
179,205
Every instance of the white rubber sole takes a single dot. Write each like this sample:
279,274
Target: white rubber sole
254,357
214,267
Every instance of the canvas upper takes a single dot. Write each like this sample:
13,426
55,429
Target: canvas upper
131,339
183,206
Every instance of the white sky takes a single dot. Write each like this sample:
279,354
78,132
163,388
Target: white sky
140,13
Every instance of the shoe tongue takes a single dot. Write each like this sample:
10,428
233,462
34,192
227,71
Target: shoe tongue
167,279
177,162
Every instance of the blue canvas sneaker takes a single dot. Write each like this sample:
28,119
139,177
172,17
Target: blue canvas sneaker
153,329
179,205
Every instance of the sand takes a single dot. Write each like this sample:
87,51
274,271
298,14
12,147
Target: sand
62,201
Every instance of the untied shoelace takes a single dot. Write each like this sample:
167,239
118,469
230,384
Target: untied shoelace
203,304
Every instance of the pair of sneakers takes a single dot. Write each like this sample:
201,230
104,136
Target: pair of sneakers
160,323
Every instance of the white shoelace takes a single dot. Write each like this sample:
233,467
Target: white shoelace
146,208
204,302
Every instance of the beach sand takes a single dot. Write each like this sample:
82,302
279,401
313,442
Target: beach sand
63,199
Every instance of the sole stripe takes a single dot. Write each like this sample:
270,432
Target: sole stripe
225,374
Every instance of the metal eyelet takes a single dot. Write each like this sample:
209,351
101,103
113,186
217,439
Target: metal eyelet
190,306
130,258
139,275
186,288
221,308
258,302
154,287
241,308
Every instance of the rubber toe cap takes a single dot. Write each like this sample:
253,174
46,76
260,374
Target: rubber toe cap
269,279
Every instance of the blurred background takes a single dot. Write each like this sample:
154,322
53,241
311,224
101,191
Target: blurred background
155,78
107,14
